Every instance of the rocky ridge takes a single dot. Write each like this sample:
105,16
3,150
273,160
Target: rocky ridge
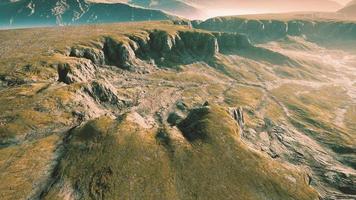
156,48
263,29
137,97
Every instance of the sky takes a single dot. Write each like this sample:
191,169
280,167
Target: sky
236,7
212,8
343,2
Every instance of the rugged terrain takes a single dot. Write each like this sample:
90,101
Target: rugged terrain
32,13
156,110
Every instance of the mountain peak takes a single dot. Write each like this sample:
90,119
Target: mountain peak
25,13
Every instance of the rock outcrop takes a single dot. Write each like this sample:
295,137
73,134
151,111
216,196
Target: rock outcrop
238,115
161,48
272,29
118,53
192,128
123,134
232,41
104,93
95,55
76,71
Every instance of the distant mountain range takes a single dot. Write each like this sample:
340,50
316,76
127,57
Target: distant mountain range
349,9
176,7
28,13
200,9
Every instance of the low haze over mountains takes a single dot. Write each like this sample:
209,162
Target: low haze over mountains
176,7
257,106
203,9
27,13
24,13
233,7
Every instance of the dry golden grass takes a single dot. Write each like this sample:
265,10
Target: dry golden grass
124,160
314,111
25,166
120,159
244,96
33,107
34,51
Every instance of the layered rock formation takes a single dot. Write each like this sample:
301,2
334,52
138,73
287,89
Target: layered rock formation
164,48
115,111
259,30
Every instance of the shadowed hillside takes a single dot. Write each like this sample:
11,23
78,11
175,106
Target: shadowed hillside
261,28
156,110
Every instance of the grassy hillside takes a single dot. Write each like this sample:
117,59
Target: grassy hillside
155,110
148,164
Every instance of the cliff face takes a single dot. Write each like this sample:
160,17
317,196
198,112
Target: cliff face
160,48
232,41
117,111
268,30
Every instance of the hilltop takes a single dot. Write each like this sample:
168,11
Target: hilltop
159,110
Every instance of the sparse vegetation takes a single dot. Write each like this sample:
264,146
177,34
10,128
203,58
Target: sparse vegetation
126,119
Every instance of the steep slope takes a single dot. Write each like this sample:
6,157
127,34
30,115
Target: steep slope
105,98
146,163
27,13
269,27
130,111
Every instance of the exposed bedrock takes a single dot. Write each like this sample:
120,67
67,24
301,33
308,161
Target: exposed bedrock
76,71
232,41
104,93
160,48
189,127
118,53
95,55
266,30
106,157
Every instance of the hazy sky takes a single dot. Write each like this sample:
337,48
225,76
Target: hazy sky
339,1
237,7
344,2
